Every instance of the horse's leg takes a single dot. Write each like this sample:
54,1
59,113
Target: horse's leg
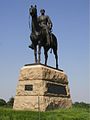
35,54
46,56
56,57
39,53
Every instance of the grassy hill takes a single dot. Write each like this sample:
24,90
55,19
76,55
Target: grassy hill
77,112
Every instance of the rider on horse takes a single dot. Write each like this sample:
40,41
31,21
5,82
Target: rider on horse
44,24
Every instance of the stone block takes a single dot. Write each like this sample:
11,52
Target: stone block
42,88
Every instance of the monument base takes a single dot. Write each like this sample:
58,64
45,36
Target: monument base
42,88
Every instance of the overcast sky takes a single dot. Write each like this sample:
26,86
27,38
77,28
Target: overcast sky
70,25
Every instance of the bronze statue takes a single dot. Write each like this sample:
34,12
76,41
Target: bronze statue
41,35
45,24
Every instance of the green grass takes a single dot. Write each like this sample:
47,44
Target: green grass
74,113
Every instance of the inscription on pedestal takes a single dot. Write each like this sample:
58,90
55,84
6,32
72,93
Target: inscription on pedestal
28,87
56,89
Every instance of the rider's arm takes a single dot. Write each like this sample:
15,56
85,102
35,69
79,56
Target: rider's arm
49,22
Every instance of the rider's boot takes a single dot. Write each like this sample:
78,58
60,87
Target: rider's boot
31,46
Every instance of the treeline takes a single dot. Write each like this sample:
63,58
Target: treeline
81,105
9,103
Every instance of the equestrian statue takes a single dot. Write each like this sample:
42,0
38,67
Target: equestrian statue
41,35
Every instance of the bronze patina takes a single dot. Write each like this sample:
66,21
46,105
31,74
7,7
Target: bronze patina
41,35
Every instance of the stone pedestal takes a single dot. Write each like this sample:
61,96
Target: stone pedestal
42,88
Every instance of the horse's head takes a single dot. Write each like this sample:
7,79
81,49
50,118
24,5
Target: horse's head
33,10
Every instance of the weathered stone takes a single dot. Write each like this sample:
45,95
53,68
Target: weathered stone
42,73
49,89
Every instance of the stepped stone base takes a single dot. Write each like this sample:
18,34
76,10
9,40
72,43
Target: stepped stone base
42,88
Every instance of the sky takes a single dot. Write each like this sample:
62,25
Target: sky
70,20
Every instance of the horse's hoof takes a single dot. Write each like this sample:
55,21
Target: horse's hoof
56,66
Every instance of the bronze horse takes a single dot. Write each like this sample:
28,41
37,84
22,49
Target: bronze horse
38,38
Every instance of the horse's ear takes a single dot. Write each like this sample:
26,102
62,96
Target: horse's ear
31,6
35,6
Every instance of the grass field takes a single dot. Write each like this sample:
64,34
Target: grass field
74,113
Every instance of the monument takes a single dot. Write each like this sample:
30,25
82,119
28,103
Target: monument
42,87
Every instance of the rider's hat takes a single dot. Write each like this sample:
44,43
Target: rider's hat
42,11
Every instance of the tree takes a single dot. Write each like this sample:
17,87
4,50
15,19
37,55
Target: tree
2,102
10,102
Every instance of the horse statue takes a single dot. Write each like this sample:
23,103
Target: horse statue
39,38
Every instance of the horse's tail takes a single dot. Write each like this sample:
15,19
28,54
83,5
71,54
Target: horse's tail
29,19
